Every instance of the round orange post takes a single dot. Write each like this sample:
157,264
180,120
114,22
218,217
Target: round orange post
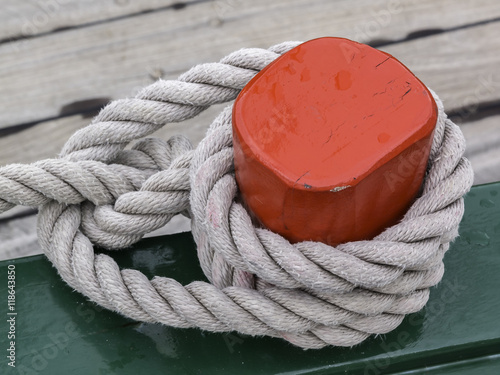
331,141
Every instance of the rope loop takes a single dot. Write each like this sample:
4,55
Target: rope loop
308,293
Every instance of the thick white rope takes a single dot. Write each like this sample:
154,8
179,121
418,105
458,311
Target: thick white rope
308,293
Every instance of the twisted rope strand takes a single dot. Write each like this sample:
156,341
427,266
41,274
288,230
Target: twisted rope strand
308,293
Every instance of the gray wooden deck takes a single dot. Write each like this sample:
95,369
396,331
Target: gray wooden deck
60,61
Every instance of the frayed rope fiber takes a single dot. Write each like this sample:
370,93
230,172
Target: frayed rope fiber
308,293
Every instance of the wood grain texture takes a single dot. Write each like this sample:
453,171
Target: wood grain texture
463,72
29,18
483,148
39,76
18,238
24,147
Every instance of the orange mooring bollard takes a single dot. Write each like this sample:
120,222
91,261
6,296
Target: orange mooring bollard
331,141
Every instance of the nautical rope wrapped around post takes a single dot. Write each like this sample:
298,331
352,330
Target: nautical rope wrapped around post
309,293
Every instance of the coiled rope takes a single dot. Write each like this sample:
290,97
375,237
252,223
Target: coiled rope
308,293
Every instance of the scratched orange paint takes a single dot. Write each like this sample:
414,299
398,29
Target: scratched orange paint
331,141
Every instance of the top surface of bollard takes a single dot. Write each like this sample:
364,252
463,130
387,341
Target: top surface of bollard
321,123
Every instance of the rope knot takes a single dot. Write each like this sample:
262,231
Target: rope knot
308,293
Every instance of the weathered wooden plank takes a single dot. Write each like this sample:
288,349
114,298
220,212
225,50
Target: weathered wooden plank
482,135
464,83
45,140
30,18
18,211
483,148
34,17
18,238
486,165
39,77
460,66
39,142
18,233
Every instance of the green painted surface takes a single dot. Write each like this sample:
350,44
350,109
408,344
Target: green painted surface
458,332
488,365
